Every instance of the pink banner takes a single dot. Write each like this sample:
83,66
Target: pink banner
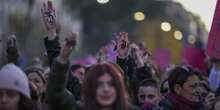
213,47
162,58
195,57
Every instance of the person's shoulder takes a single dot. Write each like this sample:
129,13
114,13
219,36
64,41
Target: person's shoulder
132,107
166,104
217,105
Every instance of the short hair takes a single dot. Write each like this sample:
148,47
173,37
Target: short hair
149,82
75,67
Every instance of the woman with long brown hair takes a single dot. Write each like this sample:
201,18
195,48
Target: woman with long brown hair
104,88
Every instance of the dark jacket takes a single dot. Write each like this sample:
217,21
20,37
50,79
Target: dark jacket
133,75
74,86
53,50
58,97
12,55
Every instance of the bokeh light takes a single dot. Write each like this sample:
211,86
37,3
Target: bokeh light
178,35
139,16
103,1
166,26
191,39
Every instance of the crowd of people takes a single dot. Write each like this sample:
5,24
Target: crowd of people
133,82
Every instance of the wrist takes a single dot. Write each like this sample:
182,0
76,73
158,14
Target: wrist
62,60
122,56
140,64
52,34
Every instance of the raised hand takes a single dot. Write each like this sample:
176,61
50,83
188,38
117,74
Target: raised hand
49,15
122,44
136,55
102,55
11,41
34,91
209,100
146,55
49,18
70,43
12,50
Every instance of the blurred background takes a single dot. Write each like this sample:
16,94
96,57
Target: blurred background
174,31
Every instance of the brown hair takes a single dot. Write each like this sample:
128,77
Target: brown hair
90,86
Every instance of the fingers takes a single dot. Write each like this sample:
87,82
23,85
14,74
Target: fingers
73,35
33,86
210,98
102,55
121,40
49,15
43,12
71,39
13,36
43,9
113,42
122,36
104,50
44,6
11,41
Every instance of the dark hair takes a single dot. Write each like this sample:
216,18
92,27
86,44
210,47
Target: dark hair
90,85
73,83
75,67
163,88
215,60
179,75
144,73
149,82
201,76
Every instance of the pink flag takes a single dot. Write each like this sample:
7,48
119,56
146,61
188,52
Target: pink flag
213,47
195,57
